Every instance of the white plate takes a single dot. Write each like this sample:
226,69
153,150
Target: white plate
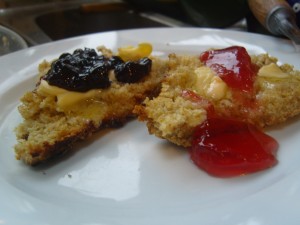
128,177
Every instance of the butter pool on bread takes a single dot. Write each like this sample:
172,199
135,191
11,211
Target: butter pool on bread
55,118
192,89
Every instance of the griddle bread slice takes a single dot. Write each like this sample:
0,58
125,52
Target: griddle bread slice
182,105
49,131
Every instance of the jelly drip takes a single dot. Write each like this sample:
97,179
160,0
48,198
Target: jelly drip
228,148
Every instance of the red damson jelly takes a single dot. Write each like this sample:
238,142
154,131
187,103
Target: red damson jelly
198,100
233,65
228,148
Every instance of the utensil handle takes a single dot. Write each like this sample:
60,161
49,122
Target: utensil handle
262,8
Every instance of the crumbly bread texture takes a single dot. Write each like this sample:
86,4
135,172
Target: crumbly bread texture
173,115
48,131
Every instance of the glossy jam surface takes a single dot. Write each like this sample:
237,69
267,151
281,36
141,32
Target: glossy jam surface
233,65
228,148
131,72
84,70
199,101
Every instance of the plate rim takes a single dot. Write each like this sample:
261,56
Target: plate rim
33,51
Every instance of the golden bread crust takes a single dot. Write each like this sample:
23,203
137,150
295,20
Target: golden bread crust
48,131
174,117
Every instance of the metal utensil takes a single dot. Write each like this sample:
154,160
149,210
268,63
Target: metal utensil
278,17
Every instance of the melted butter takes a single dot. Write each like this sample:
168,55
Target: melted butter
65,98
210,85
272,71
134,53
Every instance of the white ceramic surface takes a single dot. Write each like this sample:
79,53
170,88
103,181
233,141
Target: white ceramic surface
127,177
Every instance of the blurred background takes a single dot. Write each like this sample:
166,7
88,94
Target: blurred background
41,21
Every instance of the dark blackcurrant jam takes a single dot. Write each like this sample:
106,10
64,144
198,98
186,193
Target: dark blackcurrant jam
85,70
131,72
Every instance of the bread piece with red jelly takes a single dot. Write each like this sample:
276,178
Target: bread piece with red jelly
223,86
80,93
